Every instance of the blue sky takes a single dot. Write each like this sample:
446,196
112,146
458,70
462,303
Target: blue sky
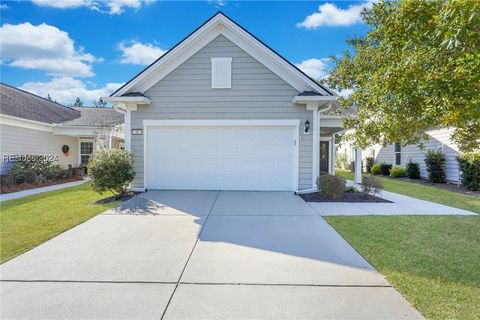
87,48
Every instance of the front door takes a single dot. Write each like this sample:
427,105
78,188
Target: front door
324,156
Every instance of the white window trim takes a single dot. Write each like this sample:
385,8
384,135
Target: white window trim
228,73
295,123
80,140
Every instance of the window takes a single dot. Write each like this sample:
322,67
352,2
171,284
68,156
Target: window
397,154
86,149
221,73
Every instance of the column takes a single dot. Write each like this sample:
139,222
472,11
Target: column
358,165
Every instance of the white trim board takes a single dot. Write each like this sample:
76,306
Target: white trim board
220,25
294,123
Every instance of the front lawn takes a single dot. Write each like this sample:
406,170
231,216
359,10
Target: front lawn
432,261
429,193
27,222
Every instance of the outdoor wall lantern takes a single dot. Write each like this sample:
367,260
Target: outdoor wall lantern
307,127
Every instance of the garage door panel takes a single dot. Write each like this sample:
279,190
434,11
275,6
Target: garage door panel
220,157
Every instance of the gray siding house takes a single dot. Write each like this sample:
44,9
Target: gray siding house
221,110
30,124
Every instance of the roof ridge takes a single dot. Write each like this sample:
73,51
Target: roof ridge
37,96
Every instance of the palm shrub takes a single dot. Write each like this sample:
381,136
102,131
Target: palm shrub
435,162
369,162
371,185
111,170
398,172
332,187
469,165
376,169
413,170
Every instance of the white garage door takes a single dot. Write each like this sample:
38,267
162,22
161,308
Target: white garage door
227,157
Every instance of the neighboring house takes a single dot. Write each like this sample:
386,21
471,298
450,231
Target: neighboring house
395,154
30,124
221,110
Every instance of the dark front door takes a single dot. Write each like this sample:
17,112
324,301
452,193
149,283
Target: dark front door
324,156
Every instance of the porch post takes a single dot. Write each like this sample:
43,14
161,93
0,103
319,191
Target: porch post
358,165
128,131
316,142
332,155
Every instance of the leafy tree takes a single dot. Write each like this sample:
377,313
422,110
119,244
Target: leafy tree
78,103
100,103
418,67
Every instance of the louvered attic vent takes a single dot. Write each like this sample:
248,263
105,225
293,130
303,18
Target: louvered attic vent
221,73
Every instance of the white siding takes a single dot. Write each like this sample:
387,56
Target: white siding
256,93
439,140
18,141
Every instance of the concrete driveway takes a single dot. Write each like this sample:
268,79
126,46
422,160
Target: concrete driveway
200,255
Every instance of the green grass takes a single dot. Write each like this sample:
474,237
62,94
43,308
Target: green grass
27,222
429,193
432,261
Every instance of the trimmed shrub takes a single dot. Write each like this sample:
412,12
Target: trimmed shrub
371,185
369,162
376,169
435,162
469,165
398,172
332,187
33,168
385,169
413,170
111,170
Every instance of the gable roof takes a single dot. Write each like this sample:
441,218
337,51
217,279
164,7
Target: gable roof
22,104
216,25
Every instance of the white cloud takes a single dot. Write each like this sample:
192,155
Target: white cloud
139,53
113,7
4,6
43,47
315,68
346,93
67,89
330,15
63,4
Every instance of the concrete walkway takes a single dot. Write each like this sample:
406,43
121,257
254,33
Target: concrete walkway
29,192
402,205
202,255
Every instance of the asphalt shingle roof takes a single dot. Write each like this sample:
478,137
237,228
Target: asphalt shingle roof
96,117
18,103
22,104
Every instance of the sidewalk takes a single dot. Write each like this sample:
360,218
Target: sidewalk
402,205
29,192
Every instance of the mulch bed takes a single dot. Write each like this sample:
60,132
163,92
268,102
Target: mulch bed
121,197
347,197
4,189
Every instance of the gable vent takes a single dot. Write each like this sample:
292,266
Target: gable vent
221,72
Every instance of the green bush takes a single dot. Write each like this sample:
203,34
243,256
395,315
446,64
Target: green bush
435,162
332,187
33,168
341,162
413,170
398,172
369,162
111,170
469,165
371,185
385,169
376,169
351,189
